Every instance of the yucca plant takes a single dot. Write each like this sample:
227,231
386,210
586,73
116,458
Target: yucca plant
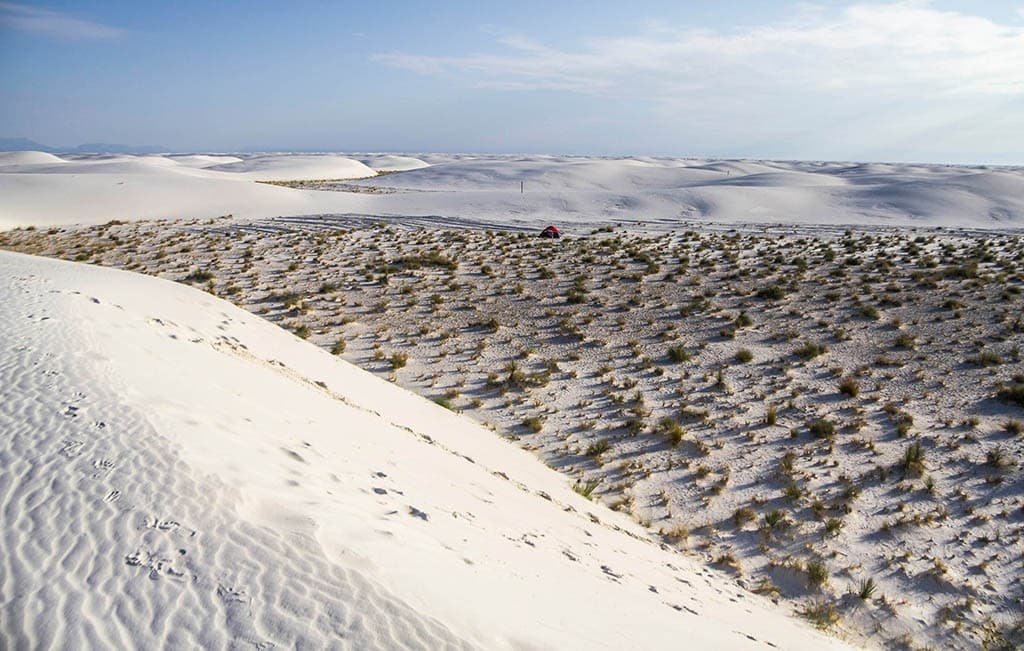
912,462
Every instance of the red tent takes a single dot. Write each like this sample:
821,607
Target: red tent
551,231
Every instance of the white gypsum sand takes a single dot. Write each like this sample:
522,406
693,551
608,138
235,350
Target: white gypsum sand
651,363
42,189
179,472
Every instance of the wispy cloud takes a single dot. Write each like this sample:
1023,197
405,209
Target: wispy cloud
904,47
53,24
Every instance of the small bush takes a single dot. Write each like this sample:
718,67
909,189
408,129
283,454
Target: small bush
810,350
199,276
398,360
869,311
670,428
997,458
823,615
822,428
338,347
586,488
598,447
432,259
771,416
743,515
773,520
534,424
848,386
817,573
793,492
905,341
987,358
833,526
1013,393
576,298
744,356
771,293
678,354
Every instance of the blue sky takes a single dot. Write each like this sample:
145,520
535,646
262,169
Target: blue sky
907,80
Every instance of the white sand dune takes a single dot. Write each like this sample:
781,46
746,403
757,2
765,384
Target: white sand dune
487,189
392,163
180,473
297,166
203,160
8,158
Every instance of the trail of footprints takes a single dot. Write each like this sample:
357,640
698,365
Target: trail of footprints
130,503
162,549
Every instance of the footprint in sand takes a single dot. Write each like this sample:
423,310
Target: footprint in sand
72,448
161,524
416,513
231,594
103,467
158,566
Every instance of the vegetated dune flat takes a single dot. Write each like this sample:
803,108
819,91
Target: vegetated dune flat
179,472
43,189
836,419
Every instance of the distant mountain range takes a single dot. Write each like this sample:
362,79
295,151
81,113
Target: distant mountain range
24,144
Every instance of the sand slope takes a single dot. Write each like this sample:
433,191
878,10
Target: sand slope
180,472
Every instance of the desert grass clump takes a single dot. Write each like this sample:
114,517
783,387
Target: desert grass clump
905,341
598,447
398,360
773,521
793,492
912,462
1012,393
771,293
744,356
339,347
997,458
586,488
445,402
848,386
771,416
820,613
817,573
678,354
668,427
833,526
822,428
987,358
743,515
534,424
810,350
197,276
1014,427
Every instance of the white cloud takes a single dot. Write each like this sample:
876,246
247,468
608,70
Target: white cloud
901,47
883,81
54,24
